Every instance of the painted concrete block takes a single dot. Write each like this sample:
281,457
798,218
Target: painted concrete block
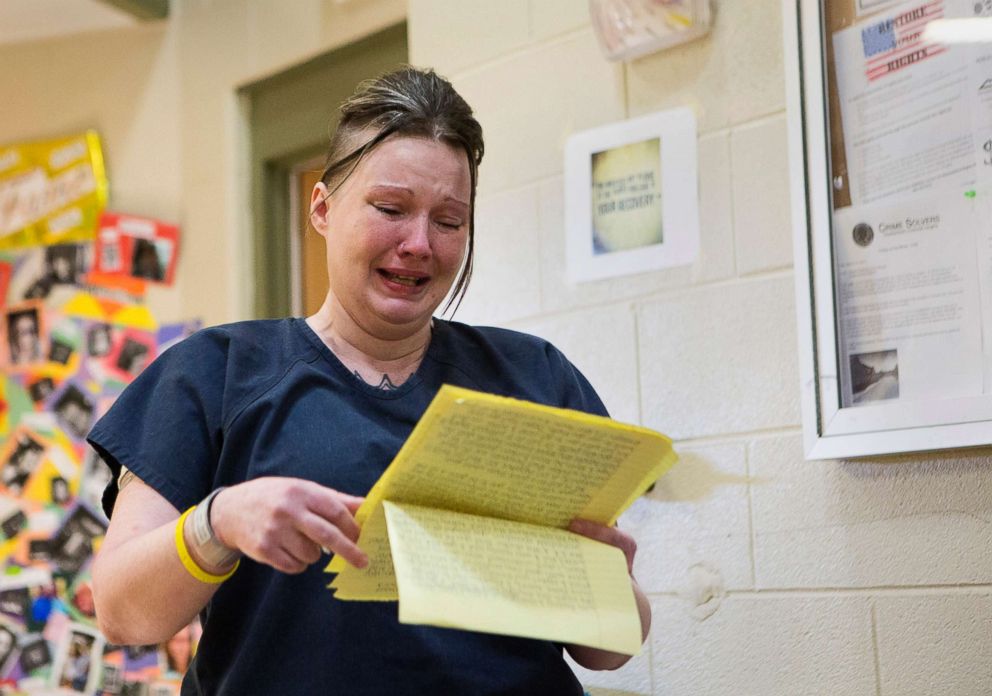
751,33
549,18
720,360
759,646
921,520
693,74
602,344
531,101
274,34
696,518
733,75
506,278
633,678
716,218
716,257
453,35
762,219
344,22
935,645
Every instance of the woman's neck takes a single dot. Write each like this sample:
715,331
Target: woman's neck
385,362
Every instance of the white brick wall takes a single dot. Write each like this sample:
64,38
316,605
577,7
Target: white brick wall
935,644
764,646
768,575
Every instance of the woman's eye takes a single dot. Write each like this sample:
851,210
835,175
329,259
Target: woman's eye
387,210
450,224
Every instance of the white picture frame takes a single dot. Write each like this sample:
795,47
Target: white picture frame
832,430
631,196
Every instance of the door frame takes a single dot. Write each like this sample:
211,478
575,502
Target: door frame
290,117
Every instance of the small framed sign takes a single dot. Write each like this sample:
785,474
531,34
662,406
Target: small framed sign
631,196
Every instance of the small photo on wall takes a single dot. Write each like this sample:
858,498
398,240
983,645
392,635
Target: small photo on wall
133,356
874,376
12,521
72,545
81,605
65,263
40,389
9,635
135,247
15,604
113,679
151,258
132,352
23,326
79,665
74,409
35,655
20,457
94,479
99,340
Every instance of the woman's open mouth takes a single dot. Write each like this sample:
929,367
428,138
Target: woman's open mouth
407,280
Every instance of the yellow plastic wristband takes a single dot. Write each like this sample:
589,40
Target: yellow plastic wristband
189,564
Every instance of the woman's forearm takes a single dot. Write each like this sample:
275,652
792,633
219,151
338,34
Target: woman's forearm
143,594
597,659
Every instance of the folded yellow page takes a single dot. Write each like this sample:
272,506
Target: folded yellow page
492,575
503,458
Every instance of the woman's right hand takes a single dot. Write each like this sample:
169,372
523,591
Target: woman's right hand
287,522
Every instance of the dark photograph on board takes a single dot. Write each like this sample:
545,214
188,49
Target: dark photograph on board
875,376
24,336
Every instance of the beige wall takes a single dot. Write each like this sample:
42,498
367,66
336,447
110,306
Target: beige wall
768,575
125,84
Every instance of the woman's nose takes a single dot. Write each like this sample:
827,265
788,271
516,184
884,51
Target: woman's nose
416,238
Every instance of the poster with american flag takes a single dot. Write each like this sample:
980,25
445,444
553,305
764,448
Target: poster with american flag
895,43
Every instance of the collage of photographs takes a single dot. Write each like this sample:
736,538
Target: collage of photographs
74,331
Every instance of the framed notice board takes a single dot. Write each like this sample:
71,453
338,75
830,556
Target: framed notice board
890,136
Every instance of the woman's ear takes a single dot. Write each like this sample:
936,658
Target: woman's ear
319,208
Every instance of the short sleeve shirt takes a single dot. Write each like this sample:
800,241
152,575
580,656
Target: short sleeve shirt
268,398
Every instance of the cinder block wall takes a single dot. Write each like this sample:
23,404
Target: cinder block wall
768,575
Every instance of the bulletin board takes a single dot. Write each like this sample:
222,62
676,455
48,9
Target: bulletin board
890,136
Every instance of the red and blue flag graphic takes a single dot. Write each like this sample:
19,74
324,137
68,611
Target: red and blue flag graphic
897,42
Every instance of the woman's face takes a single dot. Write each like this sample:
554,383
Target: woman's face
396,232
25,330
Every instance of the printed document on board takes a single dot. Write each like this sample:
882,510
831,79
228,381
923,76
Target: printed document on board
917,114
909,308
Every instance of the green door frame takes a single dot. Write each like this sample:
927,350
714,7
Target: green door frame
144,10
291,117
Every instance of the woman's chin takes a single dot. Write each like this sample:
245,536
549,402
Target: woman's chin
404,314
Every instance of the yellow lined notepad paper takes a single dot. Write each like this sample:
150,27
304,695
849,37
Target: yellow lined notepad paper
487,456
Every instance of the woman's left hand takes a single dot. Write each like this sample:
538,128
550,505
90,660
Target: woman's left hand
614,536
597,658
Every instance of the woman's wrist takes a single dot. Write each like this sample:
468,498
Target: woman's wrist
206,548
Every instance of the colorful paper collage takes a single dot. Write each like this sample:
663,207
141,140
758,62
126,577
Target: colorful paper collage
73,334
51,192
130,251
